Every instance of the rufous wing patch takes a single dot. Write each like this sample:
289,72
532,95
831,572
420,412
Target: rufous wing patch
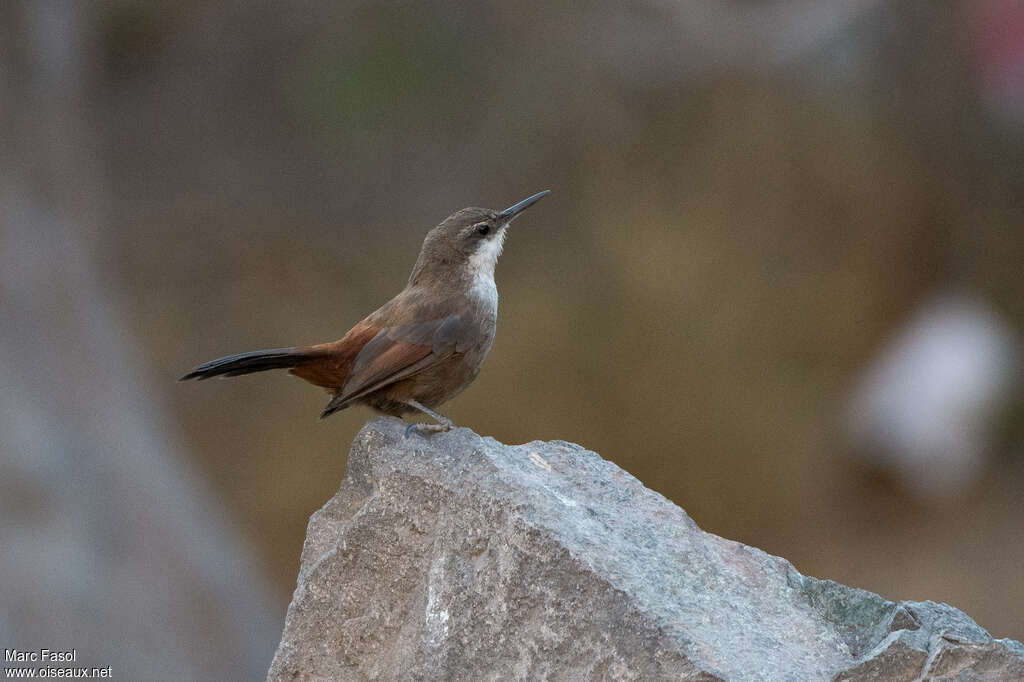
333,361
396,353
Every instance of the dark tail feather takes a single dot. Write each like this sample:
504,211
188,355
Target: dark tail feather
247,363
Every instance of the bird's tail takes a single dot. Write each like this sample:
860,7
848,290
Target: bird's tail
253,361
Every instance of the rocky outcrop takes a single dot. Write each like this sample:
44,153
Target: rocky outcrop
457,557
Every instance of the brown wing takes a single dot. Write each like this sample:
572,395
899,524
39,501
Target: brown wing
396,353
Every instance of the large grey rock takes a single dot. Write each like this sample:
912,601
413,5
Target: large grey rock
461,558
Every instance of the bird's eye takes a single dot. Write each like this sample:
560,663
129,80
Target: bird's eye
483,228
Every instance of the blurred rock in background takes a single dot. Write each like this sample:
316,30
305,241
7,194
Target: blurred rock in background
927,408
748,200
113,546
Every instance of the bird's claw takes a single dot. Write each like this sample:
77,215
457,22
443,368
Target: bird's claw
424,429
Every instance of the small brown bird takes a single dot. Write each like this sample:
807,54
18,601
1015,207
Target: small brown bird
421,348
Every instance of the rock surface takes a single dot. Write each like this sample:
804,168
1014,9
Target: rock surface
461,558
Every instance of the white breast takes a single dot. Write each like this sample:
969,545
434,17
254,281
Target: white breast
481,268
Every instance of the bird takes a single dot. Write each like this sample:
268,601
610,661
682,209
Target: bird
421,348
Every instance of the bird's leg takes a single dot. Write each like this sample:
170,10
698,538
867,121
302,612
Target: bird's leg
443,423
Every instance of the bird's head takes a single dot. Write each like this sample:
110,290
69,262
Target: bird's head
468,242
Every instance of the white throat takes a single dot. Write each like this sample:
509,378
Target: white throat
481,270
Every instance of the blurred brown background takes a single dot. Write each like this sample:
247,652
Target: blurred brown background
749,201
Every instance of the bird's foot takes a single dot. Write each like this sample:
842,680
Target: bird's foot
443,423
424,429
